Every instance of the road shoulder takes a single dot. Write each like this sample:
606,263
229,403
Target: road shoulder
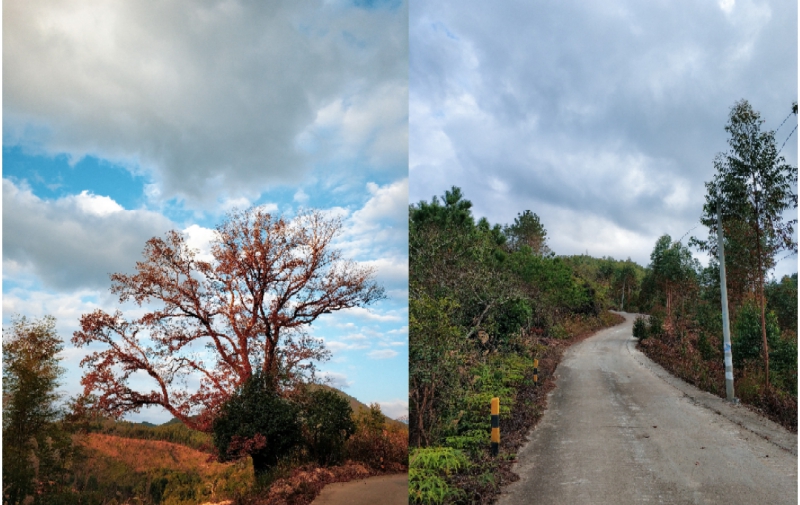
738,414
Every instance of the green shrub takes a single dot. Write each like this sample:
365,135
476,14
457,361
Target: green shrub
640,328
783,365
707,349
655,326
747,341
327,424
256,421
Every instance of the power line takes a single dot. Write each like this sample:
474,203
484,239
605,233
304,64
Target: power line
787,117
787,139
688,232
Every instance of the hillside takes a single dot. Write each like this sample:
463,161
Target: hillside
154,470
358,407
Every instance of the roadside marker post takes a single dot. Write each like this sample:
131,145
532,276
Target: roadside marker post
495,426
535,372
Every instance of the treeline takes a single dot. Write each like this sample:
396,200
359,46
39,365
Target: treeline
751,192
484,301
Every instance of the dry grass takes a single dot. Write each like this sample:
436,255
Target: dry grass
143,455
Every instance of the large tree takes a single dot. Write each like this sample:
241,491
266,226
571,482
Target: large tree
753,187
35,449
218,320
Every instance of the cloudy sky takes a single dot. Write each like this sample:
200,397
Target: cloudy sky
601,117
123,119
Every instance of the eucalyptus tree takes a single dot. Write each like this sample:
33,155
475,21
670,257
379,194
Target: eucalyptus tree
753,188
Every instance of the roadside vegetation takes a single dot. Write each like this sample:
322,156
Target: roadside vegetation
485,301
754,189
70,455
259,428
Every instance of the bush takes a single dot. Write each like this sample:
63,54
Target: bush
640,328
256,421
747,336
376,445
655,327
327,424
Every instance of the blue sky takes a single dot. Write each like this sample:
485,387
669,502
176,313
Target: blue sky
122,121
603,118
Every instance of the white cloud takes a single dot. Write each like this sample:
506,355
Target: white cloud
205,98
394,408
336,346
240,203
388,204
75,241
382,354
96,205
374,123
399,331
200,239
335,379
300,196
365,313
389,270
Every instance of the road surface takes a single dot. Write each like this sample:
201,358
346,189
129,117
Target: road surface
620,430
385,489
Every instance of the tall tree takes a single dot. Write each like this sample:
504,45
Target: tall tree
672,267
269,278
753,187
34,447
625,280
527,230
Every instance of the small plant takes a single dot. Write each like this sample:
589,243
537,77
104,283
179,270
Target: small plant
640,328
428,468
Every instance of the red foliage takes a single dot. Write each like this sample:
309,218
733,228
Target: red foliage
269,278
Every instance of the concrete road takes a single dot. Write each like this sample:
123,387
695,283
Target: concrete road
384,489
618,429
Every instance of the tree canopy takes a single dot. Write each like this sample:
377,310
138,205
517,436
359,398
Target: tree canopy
752,189
220,320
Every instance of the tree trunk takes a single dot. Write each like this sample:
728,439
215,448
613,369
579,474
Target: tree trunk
762,302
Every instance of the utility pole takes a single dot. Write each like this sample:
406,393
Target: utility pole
726,323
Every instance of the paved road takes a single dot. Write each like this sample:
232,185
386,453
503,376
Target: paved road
619,430
385,489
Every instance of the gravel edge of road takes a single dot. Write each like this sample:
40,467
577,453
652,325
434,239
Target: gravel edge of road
738,414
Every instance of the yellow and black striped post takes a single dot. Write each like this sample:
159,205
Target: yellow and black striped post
495,426
535,372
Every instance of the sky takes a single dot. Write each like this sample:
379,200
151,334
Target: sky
603,118
123,120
